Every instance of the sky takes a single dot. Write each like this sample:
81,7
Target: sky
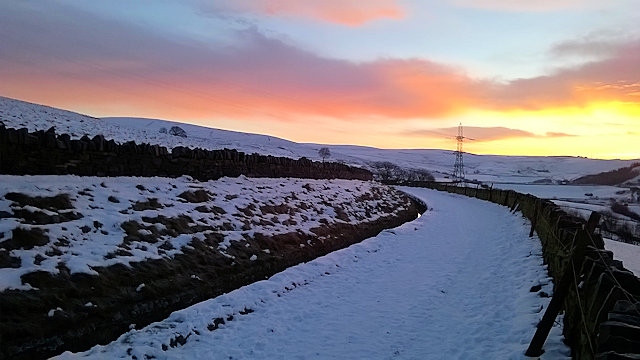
546,77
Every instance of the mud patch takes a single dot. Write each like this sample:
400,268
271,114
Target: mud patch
27,239
149,204
52,203
198,196
8,261
41,218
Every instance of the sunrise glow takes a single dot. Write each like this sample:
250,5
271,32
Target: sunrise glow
549,78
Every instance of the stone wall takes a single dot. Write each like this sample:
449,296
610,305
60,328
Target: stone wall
45,153
602,307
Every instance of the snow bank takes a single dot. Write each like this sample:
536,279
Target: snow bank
628,253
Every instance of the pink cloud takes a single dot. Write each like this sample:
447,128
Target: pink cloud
477,133
111,65
558,134
95,61
343,12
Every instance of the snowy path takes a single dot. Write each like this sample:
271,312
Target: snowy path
454,284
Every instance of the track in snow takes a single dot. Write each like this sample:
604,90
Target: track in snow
453,284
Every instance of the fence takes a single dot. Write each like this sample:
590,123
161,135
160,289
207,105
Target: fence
611,225
600,298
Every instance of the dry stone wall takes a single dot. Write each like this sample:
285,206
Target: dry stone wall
46,153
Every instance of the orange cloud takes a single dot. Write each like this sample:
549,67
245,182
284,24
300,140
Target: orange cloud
267,77
117,69
343,12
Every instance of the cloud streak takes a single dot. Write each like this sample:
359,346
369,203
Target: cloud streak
524,5
342,12
484,134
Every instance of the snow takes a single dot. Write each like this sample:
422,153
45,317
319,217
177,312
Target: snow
429,289
52,312
83,244
628,253
566,192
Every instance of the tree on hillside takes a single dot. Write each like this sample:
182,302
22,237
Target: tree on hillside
177,131
388,171
324,153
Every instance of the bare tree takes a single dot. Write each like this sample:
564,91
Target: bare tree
324,153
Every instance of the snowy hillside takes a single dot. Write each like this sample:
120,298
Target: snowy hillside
83,223
487,168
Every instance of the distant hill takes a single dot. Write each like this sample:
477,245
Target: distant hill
619,176
485,168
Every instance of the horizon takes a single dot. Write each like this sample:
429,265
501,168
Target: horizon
452,151
551,78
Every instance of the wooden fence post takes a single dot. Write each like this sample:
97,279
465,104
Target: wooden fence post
562,288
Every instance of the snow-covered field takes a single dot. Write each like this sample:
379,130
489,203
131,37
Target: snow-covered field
582,200
93,231
569,192
430,289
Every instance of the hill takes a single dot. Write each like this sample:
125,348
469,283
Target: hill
629,175
486,168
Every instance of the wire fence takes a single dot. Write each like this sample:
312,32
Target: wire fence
611,226
600,298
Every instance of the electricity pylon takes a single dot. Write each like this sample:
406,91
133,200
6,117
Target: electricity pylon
458,166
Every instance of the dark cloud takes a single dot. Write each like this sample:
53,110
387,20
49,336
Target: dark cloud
586,47
615,78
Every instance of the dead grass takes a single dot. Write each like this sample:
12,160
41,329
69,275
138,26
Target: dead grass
52,203
198,196
149,204
27,239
